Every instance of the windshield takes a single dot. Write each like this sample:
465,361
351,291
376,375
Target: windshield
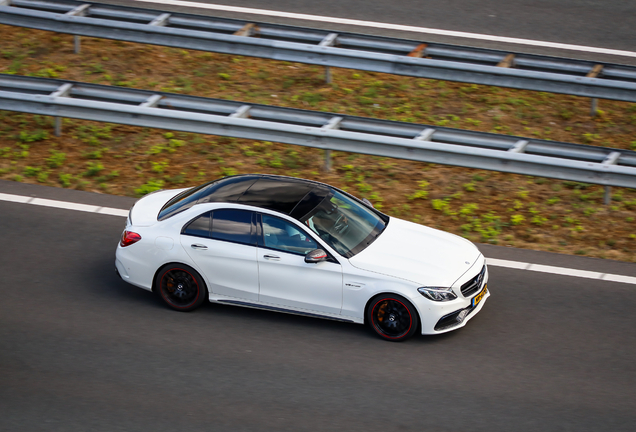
345,224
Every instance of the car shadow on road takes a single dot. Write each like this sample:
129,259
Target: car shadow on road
111,288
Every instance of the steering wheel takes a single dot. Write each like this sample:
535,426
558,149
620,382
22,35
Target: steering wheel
341,224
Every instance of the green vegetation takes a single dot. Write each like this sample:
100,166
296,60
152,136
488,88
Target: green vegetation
93,168
150,186
28,137
56,159
421,193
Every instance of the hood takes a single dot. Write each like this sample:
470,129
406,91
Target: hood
146,210
419,254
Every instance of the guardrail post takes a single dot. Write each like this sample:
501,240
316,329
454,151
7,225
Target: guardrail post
151,102
81,10
248,30
63,91
242,112
594,73
611,159
329,40
607,197
327,74
327,166
161,20
58,126
425,135
519,146
594,107
507,62
419,51
333,123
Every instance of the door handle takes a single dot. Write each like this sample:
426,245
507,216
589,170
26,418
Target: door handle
198,246
271,257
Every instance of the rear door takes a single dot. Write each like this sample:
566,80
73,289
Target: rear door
222,243
285,278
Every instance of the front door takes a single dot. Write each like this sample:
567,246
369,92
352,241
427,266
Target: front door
285,279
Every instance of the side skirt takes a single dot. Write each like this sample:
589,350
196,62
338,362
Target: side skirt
278,309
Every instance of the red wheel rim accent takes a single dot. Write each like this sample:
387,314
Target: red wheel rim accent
185,292
398,318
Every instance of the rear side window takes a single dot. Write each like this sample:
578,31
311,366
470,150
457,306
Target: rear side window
199,227
232,225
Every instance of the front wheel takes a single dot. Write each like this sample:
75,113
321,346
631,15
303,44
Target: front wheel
180,287
392,317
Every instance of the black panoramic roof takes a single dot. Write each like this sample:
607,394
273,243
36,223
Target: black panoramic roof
288,195
291,196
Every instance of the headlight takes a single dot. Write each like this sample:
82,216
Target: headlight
438,293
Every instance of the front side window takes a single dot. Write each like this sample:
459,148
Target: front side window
345,224
282,235
232,225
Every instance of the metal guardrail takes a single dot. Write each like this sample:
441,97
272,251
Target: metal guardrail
344,50
559,160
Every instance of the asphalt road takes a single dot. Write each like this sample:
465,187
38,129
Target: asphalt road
607,23
81,350
595,23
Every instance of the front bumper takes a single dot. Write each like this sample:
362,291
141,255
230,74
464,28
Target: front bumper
456,319
442,317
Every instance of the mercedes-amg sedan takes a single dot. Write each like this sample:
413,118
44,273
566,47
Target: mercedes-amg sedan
301,247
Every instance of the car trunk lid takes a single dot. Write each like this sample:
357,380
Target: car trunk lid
144,212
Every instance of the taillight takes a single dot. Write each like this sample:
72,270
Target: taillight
128,238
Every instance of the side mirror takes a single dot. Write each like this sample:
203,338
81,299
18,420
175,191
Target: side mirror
367,202
315,256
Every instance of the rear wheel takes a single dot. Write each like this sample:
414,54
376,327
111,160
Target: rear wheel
180,287
392,317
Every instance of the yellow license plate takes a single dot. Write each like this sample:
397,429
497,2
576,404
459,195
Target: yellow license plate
480,296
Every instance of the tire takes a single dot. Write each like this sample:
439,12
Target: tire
180,287
392,317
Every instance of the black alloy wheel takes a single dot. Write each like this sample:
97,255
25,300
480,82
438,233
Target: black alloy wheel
392,318
181,287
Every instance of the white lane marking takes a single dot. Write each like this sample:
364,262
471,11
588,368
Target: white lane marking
15,198
563,271
490,261
112,211
375,24
63,205
508,264
619,278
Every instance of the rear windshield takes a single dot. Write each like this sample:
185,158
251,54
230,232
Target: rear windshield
227,189
183,201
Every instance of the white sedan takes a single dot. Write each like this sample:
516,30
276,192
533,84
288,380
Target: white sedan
301,247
